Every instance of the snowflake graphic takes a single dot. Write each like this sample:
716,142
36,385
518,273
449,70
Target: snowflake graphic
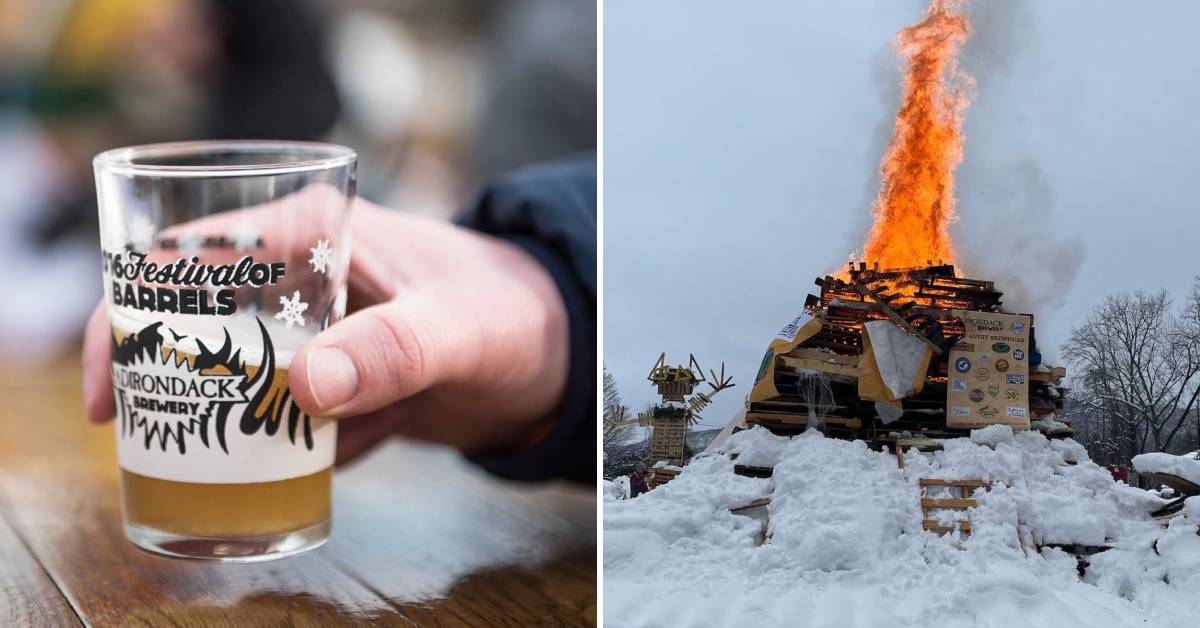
293,310
141,233
245,236
322,257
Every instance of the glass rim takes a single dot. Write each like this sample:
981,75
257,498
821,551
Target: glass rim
317,156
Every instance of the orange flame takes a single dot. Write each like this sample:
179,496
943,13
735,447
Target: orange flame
915,207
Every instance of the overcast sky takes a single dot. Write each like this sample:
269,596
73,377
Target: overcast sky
742,143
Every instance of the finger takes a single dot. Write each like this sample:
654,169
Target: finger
417,419
97,386
282,228
377,356
359,435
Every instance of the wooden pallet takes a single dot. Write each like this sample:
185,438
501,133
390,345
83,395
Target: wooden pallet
1181,485
963,502
661,475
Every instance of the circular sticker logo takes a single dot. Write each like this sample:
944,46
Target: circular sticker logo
1018,354
993,389
1018,328
962,365
1002,365
975,395
1000,347
982,374
1010,393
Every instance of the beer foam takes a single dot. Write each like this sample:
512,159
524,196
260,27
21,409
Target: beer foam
210,330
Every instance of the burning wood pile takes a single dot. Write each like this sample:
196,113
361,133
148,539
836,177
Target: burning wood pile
913,352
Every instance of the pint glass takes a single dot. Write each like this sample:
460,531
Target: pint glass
220,259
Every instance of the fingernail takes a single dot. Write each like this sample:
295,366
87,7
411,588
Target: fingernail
332,376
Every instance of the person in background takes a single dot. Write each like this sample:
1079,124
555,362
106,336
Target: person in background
637,481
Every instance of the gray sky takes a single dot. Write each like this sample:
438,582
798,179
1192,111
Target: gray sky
742,143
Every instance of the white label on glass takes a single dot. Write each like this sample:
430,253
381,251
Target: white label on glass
199,412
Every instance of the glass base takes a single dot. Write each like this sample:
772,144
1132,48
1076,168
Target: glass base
246,549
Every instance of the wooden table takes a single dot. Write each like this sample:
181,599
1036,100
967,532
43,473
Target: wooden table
420,538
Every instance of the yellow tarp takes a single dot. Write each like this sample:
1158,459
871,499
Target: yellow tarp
801,328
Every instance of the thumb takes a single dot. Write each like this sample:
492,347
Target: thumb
373,358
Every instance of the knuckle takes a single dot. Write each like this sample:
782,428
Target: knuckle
404,348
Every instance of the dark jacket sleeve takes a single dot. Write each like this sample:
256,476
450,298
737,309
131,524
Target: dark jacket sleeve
550,212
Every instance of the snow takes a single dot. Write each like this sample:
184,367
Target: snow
1191,508
1166,463
1050,425
616,489
992,435
846,546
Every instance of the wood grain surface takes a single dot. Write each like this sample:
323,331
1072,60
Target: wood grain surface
421,538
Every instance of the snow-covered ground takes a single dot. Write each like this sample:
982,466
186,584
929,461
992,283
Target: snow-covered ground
846,546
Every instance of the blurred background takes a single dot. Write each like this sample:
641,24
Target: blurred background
437,96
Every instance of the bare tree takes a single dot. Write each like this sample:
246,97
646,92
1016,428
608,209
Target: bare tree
613,412
1136,372
1189,334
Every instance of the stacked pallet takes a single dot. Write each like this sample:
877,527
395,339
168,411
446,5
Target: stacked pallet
661,473
919,300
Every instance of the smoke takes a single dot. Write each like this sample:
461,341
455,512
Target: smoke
1008,236
1007,231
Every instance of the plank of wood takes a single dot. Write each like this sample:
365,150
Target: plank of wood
762,501
450,520
549,595
753,472
800,419
935,526
1182,485
967,483
27,595
842,366
896,318
928,503
921,444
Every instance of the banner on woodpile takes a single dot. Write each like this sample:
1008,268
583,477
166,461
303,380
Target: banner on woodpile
988,380
803,327
893,363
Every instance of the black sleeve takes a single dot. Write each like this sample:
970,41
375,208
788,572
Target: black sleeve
550,212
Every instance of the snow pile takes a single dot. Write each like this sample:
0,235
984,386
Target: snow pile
1181,466
1050,424
616,489
846,546
992,435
